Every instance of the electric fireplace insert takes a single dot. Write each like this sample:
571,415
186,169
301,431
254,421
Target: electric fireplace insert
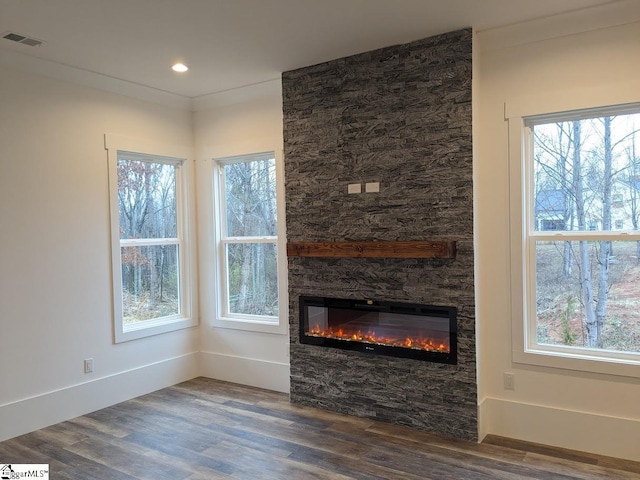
422,332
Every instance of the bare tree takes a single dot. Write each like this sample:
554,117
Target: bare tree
584,265
604,251
631,182
555,177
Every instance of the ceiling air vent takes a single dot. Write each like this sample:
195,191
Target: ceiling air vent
16,37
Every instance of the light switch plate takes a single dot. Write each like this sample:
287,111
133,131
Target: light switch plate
372,187
354,188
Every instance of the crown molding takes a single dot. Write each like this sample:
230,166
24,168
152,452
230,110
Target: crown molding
267,89
617,13
88,78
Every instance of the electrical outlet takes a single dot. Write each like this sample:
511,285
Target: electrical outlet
509,381
88,365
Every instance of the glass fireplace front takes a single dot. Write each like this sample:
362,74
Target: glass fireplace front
423,332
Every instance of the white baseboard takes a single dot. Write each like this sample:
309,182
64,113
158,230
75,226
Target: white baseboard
246,371
583,431
24,416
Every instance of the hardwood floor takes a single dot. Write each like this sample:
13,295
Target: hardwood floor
205,429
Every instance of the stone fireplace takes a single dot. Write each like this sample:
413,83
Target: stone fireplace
398,117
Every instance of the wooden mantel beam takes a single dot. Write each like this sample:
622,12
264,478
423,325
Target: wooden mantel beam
414,249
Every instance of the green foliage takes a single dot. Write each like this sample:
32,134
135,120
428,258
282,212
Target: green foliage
568,336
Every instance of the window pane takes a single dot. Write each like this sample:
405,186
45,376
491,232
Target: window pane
586,174
250,198
253,282
150,282
147,199
588,294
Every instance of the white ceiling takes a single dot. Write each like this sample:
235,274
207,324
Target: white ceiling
234,43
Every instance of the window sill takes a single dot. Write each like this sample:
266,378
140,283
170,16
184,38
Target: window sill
156,328
582,362
251,325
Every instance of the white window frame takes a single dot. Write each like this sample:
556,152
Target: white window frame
222,317
525,348
185,228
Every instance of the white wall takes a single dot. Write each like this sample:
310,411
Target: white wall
571,61
55,284
242,121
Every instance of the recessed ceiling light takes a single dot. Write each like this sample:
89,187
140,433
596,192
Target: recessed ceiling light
179,67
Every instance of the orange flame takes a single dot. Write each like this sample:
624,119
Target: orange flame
431,345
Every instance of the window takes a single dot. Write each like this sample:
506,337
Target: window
618,199
579,299
150,250
248,240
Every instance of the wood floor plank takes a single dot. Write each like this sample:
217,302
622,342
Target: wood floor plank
541,449
585,471
163,450
502,459
79,466
130,461
264,466
321,440
207,429
592,465
21,450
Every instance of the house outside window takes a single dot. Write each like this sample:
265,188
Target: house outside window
551,225
578,272
151,251
550,208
